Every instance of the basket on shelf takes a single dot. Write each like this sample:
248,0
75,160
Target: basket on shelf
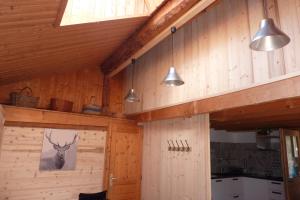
24,98
92,107
61,105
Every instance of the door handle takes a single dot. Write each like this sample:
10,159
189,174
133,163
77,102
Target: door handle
111,180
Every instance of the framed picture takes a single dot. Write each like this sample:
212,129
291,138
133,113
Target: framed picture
59,150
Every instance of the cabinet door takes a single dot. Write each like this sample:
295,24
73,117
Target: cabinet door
255,189
236,191
220,189
290,140
226,189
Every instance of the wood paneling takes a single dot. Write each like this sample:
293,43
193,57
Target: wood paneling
283,113
116,94
23,116
170,13
31,46
77,87
20,178
212,55
169,175
251,96
119,131
2,120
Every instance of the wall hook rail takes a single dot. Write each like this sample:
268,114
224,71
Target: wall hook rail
180,146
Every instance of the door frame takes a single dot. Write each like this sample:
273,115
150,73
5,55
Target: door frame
108,156
284,161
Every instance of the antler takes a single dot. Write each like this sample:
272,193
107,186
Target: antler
67,146
49,139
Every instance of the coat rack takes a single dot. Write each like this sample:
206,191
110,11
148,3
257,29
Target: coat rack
179,146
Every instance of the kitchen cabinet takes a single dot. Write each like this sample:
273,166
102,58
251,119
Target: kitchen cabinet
232,137
255,189
227,188
245,188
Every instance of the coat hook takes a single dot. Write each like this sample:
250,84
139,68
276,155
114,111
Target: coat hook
174,148
169,147
188,148
178,147
183,147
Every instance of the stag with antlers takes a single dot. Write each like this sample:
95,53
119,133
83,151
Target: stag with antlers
59,159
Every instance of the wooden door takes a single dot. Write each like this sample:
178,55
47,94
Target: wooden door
290,142
125,163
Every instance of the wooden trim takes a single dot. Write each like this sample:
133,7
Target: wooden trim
283,161
154,31
60,13
141,137
107,159
282,89
17,115
2,121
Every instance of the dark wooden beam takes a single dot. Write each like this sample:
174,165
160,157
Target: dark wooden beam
151,32
60,13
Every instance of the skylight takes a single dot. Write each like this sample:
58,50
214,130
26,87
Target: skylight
86,11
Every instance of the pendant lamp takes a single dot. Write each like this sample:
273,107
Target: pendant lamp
172,78
131,96
268,37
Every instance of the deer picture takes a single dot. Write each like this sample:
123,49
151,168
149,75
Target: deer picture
57,161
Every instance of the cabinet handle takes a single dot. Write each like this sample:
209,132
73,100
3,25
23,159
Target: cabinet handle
219,181
275,183
236,196
279,193
235,179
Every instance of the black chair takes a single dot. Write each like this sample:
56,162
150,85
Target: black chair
94,196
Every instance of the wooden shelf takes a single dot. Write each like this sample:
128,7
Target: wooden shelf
39,117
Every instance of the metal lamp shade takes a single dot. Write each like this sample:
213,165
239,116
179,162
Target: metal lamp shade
269,37
172,78
131,96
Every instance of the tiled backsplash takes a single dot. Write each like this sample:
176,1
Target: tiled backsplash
245,156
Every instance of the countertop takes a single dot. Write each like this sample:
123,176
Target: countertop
232,175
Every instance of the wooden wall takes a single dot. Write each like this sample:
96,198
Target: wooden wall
176,175
212,54
76,86
20,178
2,120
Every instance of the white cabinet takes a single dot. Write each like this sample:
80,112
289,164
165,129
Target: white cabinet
244,188
226,189
276,190
255,189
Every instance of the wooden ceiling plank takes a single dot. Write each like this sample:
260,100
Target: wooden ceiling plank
8,55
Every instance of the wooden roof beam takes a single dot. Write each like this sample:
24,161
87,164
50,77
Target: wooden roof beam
170,13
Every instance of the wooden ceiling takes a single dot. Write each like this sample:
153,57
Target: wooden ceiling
31,45
277,114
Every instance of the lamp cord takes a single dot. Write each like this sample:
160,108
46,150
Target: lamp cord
132,72
173,30
265,9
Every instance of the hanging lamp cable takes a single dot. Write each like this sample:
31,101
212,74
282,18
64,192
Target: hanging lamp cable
132,72
265,12
173,31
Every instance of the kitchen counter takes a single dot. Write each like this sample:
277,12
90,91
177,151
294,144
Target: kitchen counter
232,175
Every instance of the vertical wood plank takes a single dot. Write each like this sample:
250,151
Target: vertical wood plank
169,175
